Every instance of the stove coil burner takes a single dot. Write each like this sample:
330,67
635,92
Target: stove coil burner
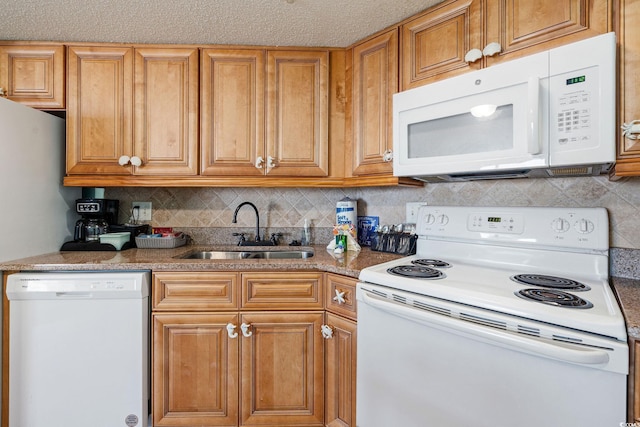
553,297
416,272
552,282
431,263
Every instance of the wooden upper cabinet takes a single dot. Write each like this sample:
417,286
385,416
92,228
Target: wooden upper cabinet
166,111
232,111
374,80
148,110
99,109
297,114
240,137
435,43
523,27
33,75
628,32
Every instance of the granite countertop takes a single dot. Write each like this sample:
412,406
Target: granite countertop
349,264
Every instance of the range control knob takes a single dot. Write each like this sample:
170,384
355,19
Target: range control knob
429,219
560,225
584,226
443,219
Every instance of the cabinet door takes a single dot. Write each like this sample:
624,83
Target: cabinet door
523,27
33,75
375,80
282,372
195,370
434,44
297,113
628,18
340,363
99,109
232,117
166,111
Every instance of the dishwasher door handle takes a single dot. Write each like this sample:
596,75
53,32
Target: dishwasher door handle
74,295
514,341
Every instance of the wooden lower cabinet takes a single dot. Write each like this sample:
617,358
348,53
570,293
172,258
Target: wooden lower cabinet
195,370
218,365
340,373
282,374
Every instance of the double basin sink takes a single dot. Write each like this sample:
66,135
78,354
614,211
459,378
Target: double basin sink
248,254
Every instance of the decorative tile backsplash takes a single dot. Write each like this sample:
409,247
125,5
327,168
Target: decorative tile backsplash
288,207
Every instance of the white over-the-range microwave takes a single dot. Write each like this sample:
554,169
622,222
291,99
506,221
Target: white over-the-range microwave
548,114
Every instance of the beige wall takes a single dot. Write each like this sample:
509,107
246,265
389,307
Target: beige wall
213,207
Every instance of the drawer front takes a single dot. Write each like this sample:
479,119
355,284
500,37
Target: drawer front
340,295
180,291
292,290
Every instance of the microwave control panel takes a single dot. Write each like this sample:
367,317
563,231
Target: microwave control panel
574,109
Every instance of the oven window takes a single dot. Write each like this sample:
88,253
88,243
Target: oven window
462,134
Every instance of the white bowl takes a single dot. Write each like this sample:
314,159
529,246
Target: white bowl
116,239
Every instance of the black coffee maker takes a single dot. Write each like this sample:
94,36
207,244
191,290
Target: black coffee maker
97,216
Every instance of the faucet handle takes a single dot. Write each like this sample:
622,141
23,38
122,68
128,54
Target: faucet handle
242,238
274,238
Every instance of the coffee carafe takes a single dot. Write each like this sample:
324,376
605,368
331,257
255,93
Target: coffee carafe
88,229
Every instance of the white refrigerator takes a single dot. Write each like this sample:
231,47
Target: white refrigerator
37,213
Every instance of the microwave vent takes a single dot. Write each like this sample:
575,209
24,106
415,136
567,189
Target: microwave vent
578,170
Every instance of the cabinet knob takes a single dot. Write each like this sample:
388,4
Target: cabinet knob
631,130
387,156
271,162
491,49
231,330
259,162
327,331
136,161
245,330
124,160
3,92
473,55
339,297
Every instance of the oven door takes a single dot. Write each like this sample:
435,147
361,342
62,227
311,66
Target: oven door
486,121
420,365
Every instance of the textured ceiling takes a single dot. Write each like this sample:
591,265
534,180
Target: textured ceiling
330,23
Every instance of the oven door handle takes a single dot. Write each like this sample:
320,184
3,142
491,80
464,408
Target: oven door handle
530,345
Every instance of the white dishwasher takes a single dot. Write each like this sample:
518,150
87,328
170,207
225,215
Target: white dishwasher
79,349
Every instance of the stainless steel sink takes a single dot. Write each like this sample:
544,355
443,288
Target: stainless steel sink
258,254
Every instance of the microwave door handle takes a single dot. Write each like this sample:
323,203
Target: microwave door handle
533,116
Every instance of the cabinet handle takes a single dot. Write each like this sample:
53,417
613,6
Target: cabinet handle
327,332
271,162
631,130
339,297
259,162
231,330
124,160
136,161
245,330
387,156
491,49
473,55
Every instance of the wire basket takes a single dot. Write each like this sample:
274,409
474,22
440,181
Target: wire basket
168,242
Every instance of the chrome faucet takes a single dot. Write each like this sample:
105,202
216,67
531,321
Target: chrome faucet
235,220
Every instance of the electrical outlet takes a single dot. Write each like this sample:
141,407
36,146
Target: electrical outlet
144,211
412,211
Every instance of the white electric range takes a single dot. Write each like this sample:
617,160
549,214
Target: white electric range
513,294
